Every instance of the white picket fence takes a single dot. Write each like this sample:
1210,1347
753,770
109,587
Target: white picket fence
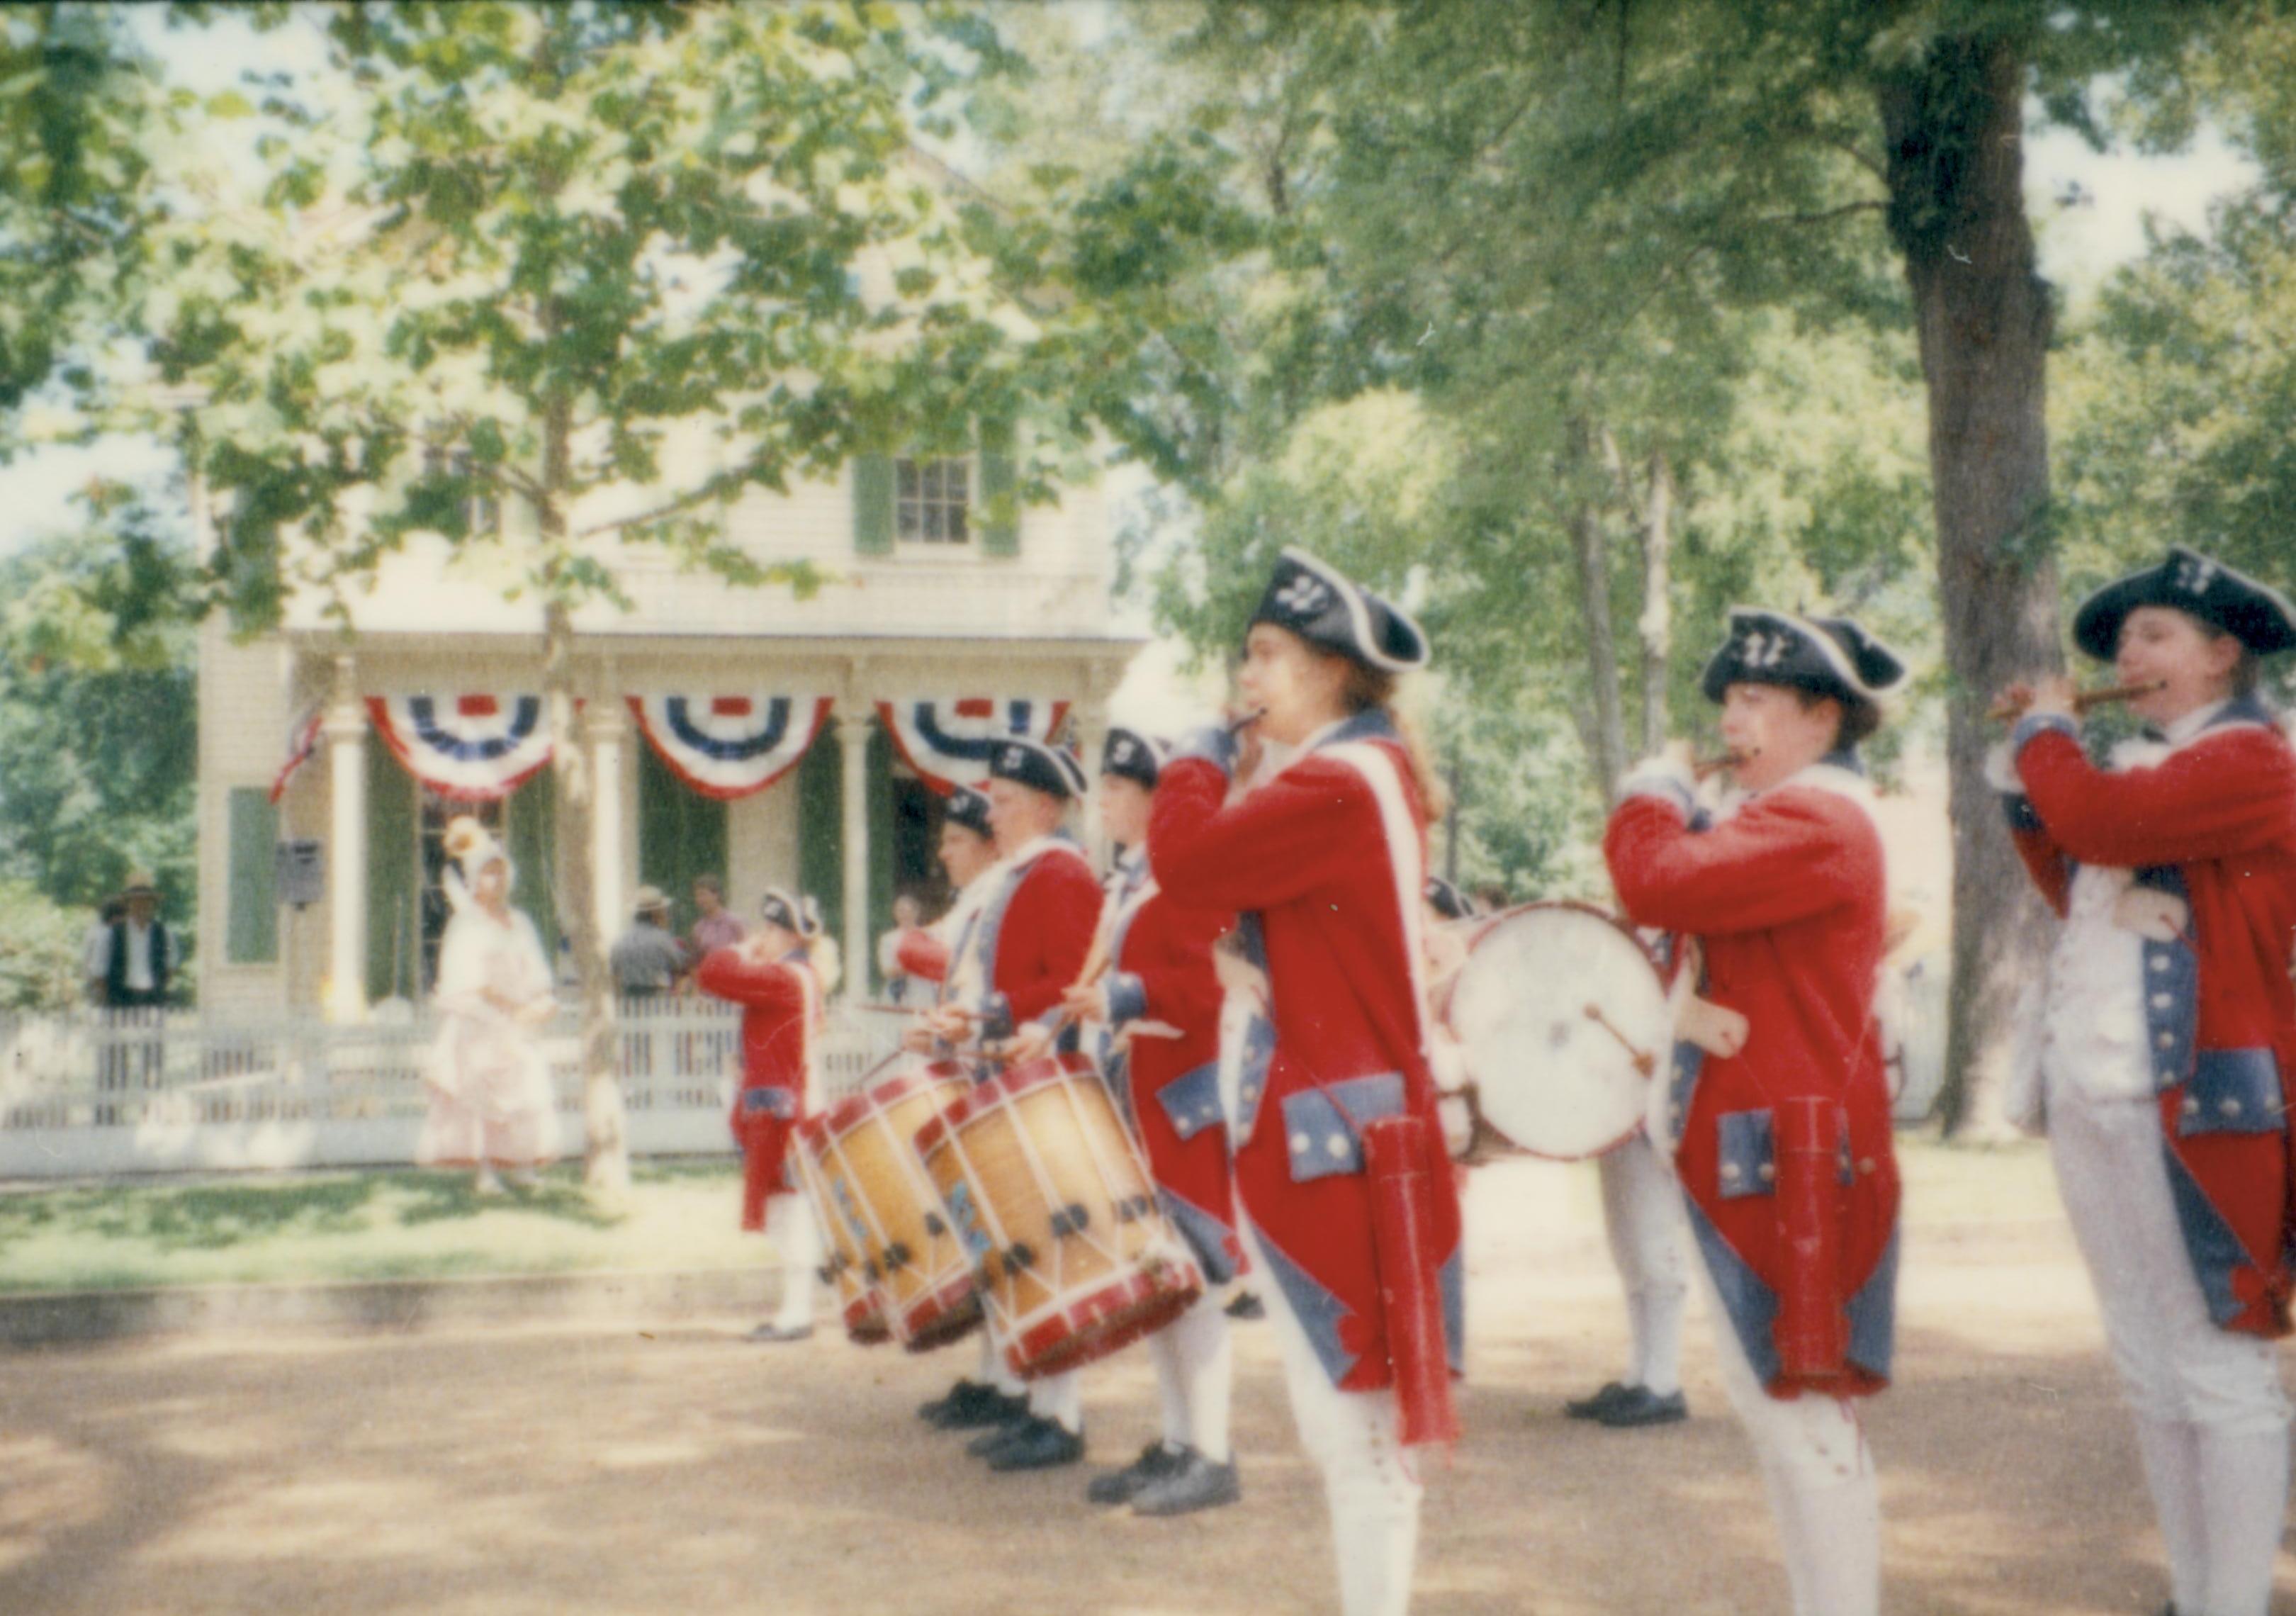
145,1091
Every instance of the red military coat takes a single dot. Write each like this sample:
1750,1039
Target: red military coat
2214,824
1786,899
781,1010
1329,856
1033,934
1164,994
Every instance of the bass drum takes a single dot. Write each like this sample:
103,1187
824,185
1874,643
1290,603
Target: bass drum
1563,1019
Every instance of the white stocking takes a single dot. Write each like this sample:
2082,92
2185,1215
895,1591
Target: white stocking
1058,1397
1659,1353
2243,1497
994,1371
789,1218
2171,1452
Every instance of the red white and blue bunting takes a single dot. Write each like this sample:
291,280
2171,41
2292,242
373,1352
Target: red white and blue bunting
471,748
730,746
948,741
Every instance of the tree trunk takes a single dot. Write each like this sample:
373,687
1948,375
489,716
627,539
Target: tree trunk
1656,628
1953,131
606,1150
1591,546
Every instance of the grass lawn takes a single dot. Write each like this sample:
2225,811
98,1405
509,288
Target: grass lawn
393,1224
300,1228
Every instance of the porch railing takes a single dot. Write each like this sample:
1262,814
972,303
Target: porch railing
154,1090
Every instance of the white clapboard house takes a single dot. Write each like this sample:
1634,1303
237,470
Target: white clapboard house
735,731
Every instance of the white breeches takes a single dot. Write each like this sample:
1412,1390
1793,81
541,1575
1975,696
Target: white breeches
1642,1215
788,1221
1819,1475
1195,1369
2211,1419
1368,1483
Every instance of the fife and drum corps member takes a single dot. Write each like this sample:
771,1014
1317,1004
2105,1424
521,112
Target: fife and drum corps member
1023,949
2165,1033
1324,862
1775,1112
779,975
1161,998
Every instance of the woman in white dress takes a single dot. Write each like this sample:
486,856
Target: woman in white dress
488,1085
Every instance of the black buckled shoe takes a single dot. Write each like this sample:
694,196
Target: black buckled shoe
1155,1462
983,1408
1197,1484
1593,1407
1038,1444
963,1395
1008,1431
1644,1406
1246,1305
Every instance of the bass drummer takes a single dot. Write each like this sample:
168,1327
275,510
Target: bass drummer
1777,1113
1161,997
1024,948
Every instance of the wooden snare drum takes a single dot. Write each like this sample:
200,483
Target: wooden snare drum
883,1218
1074,1258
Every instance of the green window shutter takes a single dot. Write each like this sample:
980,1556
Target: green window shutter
251,913
1000,516
681,835
873,504
821,835
394,927
530,818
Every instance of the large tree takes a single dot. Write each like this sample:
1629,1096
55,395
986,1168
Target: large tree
1554,220
507,255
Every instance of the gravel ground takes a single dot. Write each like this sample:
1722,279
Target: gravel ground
584,1468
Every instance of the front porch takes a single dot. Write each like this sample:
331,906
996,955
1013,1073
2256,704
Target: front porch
852,818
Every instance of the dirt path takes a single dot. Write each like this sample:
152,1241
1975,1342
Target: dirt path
578,1471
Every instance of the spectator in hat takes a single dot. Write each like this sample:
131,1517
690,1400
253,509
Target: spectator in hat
646,958
140,953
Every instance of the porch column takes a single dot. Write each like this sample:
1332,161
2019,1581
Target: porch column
345,727
853,738
604,726
1089,720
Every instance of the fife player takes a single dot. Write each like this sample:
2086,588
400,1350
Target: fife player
2167,1031
1777,1117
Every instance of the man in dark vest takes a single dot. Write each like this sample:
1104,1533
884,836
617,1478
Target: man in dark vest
143,952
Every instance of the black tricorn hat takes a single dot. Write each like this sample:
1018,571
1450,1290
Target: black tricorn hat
968,808
1446,900
1132,756
1326,607
1831,656
2256,615
1049,769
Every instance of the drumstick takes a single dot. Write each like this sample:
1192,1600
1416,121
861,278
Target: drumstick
2002,712
1645,1062
880,1008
